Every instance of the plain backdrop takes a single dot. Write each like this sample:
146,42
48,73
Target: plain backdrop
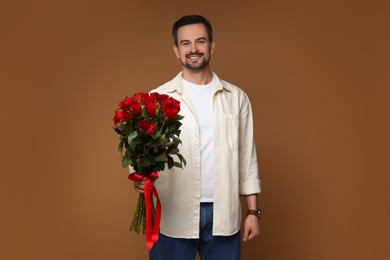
316,72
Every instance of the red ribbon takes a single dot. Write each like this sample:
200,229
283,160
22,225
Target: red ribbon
151,232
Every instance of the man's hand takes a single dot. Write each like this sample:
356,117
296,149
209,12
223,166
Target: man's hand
140,185
251,228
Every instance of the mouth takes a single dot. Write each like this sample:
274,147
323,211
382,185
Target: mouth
194,56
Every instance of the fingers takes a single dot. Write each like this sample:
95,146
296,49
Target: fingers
251,228
139,189
252,234
139,186
249,235
245,236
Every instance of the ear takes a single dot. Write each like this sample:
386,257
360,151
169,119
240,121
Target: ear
212,46
176,51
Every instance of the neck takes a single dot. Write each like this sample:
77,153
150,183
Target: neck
201,77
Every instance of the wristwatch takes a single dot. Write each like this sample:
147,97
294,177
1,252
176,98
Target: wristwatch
256,212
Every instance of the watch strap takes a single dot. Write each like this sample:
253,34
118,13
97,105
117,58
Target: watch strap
256,212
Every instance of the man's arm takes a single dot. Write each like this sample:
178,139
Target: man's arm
251,224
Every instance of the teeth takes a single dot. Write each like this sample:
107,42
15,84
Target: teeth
193,57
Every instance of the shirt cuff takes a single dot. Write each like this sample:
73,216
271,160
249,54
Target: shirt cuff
250,187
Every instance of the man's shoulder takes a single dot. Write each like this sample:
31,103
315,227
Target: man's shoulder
233,88
169,85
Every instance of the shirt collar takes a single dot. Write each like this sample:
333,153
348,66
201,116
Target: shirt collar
177,85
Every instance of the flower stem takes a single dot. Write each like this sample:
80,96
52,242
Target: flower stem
139,216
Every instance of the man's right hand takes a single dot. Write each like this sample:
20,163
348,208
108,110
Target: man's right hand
140,185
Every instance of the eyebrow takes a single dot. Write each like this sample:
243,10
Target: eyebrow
201,38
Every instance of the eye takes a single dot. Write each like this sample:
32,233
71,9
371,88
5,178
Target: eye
185,43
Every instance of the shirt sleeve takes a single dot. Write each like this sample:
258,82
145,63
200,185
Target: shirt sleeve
248,166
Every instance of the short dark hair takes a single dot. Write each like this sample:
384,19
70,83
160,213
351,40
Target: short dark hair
191,19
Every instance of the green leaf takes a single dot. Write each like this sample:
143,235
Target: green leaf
132,140
120,146
176,140
117,130
157,134
161,158
159,167
132,136
176,164
174,151
182,160
143,163
162,140
170,162
179,117
125,162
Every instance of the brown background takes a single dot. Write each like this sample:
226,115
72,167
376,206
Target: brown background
317,73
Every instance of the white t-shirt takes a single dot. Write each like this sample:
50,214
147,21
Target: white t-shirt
202,99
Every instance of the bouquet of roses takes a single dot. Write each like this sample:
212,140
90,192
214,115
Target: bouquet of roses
149,128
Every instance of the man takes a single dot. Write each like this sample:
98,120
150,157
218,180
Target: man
200,203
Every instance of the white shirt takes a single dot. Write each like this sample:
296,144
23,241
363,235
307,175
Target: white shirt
235,163
202,100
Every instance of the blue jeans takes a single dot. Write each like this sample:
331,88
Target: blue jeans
209,247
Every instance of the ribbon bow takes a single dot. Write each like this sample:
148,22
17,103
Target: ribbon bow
151,232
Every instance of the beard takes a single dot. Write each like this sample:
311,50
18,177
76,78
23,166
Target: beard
195,66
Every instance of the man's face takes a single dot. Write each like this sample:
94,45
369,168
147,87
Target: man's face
194,48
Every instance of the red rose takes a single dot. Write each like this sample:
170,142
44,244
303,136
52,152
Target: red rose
163,96
154,96
126,116
128,102
170,107
146,126
150,108
150,129
158,97
136,109
141,97
171,113
117,117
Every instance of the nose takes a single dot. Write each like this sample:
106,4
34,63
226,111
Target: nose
193,47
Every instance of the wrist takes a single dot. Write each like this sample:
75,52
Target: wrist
254,212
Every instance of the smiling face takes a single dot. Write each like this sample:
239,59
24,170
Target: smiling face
194,48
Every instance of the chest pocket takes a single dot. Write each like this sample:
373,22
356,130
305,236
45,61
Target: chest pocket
231,130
